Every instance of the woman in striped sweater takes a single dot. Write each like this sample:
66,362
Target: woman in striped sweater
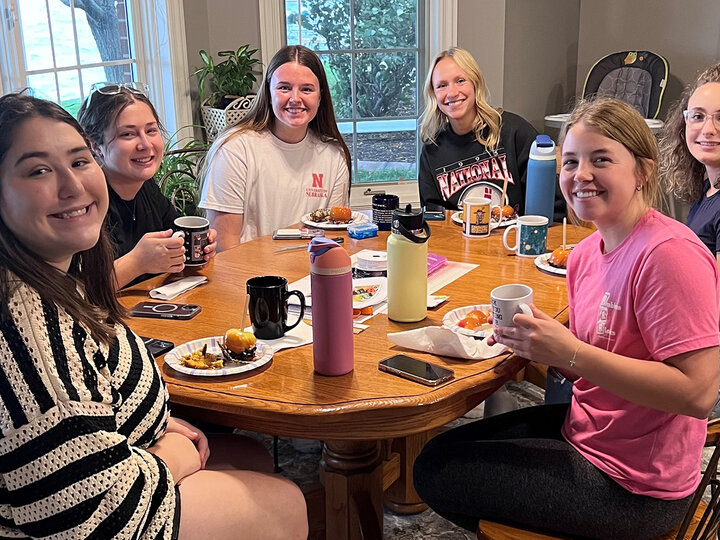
87,447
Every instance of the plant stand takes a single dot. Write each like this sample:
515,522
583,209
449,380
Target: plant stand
216,120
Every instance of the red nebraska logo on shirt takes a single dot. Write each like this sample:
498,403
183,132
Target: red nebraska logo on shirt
494,168
317,190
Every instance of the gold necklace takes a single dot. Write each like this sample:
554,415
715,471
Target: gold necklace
131,210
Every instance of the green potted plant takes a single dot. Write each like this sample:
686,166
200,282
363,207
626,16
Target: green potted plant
225,87
177,175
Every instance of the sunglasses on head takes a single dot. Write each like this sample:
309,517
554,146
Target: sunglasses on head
112,88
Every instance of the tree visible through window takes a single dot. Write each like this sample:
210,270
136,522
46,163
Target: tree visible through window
371,51
69,45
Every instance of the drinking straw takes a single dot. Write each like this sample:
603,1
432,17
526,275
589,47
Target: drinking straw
244,312
502,199
564,231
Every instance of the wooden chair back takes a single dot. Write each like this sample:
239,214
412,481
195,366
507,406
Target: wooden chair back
701,521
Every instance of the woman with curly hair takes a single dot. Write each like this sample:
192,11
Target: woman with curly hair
690,155
466,140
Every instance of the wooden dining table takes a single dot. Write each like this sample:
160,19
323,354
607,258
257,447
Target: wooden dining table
373,424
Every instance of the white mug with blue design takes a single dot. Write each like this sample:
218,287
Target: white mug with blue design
530,236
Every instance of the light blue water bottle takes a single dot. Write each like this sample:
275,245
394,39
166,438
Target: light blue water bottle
541,178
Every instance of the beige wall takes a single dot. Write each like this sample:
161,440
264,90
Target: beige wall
529,61
684,32
540,57
481,31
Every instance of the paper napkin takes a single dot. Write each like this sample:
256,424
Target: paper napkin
444,342
171,290
300,335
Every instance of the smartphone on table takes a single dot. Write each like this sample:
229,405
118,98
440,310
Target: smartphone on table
416,370
434,212
157,347
165,310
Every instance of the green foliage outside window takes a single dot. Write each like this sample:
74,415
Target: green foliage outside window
385,82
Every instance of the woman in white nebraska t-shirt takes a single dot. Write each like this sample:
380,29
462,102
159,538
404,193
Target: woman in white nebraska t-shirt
285,159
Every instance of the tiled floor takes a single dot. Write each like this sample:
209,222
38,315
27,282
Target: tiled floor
302,468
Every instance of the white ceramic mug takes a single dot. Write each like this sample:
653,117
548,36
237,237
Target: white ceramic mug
530,236
194,230
476,216
507,300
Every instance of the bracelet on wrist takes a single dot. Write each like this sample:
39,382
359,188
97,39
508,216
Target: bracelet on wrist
572,360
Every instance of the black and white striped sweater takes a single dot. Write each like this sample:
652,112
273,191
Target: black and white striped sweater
75,419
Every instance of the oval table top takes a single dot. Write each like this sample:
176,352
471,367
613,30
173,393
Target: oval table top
286,397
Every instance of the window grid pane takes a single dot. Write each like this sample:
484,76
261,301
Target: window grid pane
374,85
62,59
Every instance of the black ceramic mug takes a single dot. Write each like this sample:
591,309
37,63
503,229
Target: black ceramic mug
382,209
268,306
194,231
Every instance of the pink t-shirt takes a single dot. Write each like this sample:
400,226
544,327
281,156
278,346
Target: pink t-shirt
653,297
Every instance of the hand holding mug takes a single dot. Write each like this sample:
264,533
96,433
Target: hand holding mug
538,337
194,231
507,300
158,252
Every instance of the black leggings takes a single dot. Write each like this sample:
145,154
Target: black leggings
516,468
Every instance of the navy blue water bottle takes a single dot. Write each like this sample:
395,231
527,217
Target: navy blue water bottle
541,178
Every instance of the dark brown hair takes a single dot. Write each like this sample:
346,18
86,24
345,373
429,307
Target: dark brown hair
99,111
95,304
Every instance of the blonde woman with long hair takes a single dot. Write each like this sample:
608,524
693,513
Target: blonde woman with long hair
466,140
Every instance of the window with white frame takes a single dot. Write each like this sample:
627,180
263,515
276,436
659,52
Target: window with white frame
372,51
70,45
60,48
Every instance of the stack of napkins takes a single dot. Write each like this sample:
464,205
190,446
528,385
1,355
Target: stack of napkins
444,342
176,288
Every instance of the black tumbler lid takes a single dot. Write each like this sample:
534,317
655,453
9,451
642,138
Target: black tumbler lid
409,218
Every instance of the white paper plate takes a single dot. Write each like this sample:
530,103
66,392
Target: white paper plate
452,318
483,189
263,354
357,217
457,218
541,261
375,291
378,296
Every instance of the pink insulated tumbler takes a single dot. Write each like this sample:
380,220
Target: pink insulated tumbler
332,307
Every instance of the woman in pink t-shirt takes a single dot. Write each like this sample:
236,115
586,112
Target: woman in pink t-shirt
623,458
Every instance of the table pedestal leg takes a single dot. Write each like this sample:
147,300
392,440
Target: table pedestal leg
401,496
352,475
